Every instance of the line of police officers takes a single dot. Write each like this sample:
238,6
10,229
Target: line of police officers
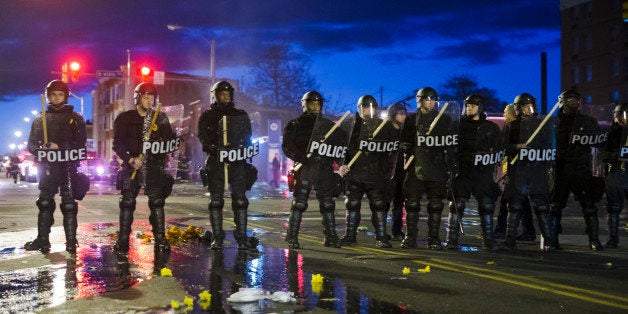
446,156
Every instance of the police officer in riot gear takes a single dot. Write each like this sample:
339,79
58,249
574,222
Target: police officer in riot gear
397,114
616,177
430,173
65,131
210,133
526,180
573,168
478,137
142,168
370,173
315,172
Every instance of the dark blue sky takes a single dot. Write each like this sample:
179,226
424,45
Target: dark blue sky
356,47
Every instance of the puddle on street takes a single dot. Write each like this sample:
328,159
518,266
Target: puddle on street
197,268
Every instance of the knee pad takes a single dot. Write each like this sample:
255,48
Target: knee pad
486,206
435,207
613,209
47,204
590,210
216,204
327,205
542,209
156,202
69,207
127,203
299,205
352,204
413,205
459,206
378,205
515,206
240,202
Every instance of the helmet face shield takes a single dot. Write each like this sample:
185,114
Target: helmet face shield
427,99
620,114
367,106
313,106
427,103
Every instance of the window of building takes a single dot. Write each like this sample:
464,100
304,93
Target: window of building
614,67
575,76
588,10
614,96
587,41
588,99
575,12
575,45
614,33
588,69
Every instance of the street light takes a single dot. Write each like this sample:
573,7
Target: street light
212,51
17,133
79,98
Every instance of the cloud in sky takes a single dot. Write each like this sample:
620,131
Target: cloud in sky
356,46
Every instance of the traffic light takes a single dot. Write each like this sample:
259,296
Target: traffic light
74,70
144,72
64,72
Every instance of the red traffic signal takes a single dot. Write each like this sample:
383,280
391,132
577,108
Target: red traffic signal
74,70
144,72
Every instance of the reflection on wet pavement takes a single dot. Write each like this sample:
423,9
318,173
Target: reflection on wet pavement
96,270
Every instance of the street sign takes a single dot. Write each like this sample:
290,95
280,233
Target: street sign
159,77
108,74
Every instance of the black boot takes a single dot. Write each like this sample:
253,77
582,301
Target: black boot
433,237
454,228
158,221
593,226
218,234
161,260
122,242
527,224
69,226
510,243
488,237
397,224
244,242
294,225
45,220
613,230
545,224
329,229
412,230
379,222
352,221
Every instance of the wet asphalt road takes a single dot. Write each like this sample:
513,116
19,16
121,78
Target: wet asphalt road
359,279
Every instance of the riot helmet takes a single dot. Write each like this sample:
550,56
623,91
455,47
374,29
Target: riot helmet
570,100
475,99
58,85
367,102
424,96
218,87
144,88
312,102
521,101
620,114
397,112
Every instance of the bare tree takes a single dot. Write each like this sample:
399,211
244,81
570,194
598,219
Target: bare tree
281,76
460,86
